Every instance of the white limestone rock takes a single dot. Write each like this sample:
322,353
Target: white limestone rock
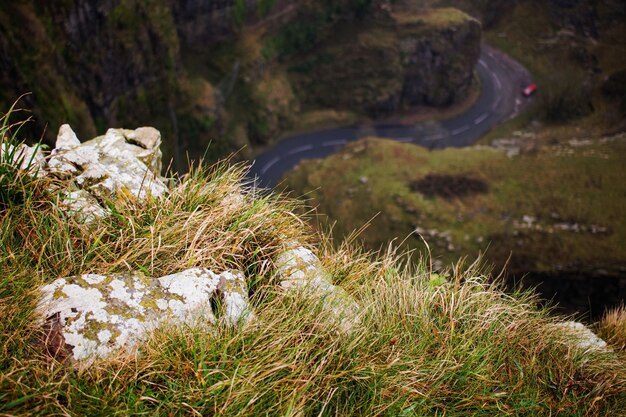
583,337
149,139
66,139
94,316
122,162
27,158
108,164
83,206
299,269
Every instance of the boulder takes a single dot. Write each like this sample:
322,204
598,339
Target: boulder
122,162
95,316
111,163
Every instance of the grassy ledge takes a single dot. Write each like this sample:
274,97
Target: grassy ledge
427,344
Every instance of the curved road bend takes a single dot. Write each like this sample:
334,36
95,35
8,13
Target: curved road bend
501,83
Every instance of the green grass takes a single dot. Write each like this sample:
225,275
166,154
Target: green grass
427,344
359,186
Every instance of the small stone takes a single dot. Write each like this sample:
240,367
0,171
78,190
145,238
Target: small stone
146,137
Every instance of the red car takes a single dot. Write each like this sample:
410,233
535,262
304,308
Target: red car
529,90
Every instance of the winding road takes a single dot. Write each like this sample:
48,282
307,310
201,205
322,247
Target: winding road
502,80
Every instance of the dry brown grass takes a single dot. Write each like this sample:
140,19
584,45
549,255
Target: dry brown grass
612,328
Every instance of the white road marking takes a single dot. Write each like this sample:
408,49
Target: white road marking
496,104
498,83
460,130
405,140
481,118
269,164
334,143
436,137
300,149
481,62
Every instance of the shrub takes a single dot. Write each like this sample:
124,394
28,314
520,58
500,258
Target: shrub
562,99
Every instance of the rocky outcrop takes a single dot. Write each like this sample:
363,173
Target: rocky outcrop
300,270
489,12
121,163
399,60
93,316
439,62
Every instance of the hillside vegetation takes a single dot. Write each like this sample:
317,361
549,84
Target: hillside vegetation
545,196
426,344
565,213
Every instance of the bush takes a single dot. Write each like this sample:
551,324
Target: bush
562,99
615,88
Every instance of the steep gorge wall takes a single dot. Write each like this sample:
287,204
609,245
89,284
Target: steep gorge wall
92,63
98,63
396,61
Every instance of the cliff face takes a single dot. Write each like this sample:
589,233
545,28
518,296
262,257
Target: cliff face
202,22
425,58
89,62
439,61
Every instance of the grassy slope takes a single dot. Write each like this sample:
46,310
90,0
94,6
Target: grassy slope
426,345
359,183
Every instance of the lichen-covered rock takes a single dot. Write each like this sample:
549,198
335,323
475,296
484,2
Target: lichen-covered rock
120,163
28,158
91,316
108,164
82,205
299,269
66,139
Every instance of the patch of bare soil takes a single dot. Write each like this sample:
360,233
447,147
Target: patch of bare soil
449,186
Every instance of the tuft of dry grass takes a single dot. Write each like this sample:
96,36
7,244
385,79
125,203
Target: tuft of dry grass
612,328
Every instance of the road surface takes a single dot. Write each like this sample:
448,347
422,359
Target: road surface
502,80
